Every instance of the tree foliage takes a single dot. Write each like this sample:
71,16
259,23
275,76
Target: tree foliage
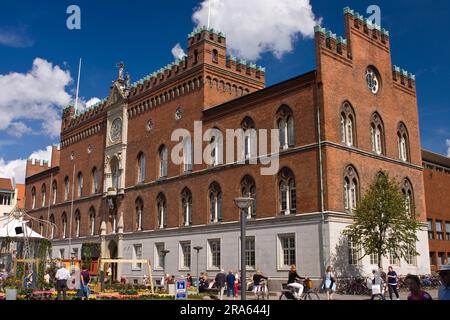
382,224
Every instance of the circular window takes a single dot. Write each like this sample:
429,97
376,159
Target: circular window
373,80
178,114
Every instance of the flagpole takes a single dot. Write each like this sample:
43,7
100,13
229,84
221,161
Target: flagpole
209,12
78,85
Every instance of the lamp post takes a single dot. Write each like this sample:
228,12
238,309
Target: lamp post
164,253
242,204
198,248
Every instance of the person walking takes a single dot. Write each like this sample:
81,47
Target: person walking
62,275
329,283
230,284
376,285
293,276
220,282
392,283
236,283
416,293
444,274
85,280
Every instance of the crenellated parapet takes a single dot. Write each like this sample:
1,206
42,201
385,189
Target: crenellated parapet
403,78
73,118
203,33
243,67
365,28
333,44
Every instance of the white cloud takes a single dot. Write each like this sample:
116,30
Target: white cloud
15,38
38,95
18,129
253,27
16,168
178,52
83,104
448,145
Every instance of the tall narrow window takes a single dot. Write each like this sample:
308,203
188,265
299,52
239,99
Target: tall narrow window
80,185
285,125
33,198
439,230
54,191
114,223
44,194
347,124
185,255
287,192
186,203
52,227
162,212
250,256
64,226
115,173
351,189
214,254
353,253
409,197
447,231
288,252
77,223
215,201
94,181
377,133
66,188
215,56
403,142
163,161
187,154
92,221
215,146
249,149
430,229
141,168
248,190
137,255
139,211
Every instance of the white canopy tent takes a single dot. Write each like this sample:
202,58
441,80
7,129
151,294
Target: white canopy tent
9,229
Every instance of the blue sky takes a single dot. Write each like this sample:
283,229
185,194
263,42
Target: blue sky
143,33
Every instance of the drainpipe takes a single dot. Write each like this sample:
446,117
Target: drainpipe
322,205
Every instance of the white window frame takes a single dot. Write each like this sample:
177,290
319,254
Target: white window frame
182,261
210,265
137,266
280,254
158,247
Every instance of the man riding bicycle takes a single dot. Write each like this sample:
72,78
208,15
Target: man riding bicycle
293,276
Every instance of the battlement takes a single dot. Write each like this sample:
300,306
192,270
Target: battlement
363,26
203,33
245,68
72,117
329,40
404,78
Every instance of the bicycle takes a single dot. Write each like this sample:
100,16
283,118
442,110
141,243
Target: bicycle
309,293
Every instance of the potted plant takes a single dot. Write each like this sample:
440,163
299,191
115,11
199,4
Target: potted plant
11,287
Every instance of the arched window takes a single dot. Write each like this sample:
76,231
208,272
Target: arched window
187,155
215,201
41,225
80,185
77,223
66,188
215,147
377,134
403,142
162,212
285,123
114,222
64,226
54,191
347,125
52,227
351,189
215,56
186,204
139,204
249,148
163,161
195,56
141,168
408,193
248,190
92,221
33,198
94,180
287,192
44,194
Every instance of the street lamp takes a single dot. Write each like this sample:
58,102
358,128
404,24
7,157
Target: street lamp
164,253
198,248
243,204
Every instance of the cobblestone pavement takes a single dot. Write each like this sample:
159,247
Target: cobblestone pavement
337,297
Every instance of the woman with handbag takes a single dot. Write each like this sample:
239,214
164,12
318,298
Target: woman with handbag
329,283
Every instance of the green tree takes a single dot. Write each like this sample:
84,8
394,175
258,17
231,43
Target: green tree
382,224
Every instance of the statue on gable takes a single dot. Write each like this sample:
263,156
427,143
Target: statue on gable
121,67
127,81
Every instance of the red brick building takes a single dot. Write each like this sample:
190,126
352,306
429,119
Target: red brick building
112,180
436,179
